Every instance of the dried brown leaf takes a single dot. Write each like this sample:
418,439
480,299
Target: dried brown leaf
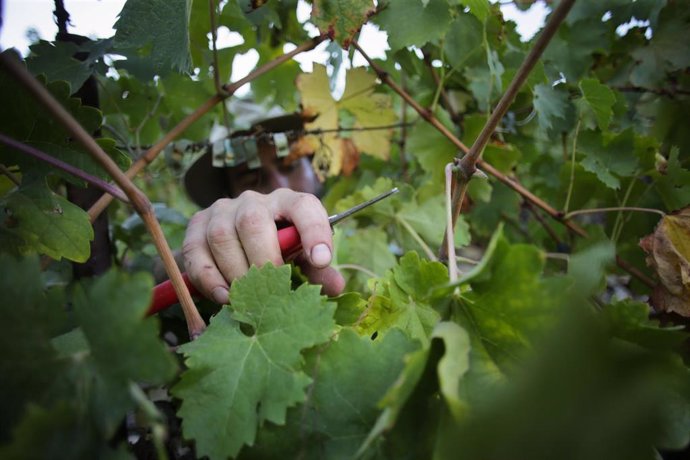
668,252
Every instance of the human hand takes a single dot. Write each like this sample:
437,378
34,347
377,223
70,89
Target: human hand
225,239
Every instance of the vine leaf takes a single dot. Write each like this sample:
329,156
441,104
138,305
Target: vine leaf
38,220
600,99
360,103
247,368
609,159
404,298
114,345
341,19
157,28
339,372
509,305
549,104
668,252
414,23
453,365
31,367
666,52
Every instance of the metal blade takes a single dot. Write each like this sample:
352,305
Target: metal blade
335,218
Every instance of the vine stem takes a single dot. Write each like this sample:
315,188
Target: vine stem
485,167
206,107
613,209
139,201
450,225
68,168
468,164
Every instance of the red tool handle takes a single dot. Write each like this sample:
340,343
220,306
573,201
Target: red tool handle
164,293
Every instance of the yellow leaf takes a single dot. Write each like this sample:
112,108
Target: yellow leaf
369,110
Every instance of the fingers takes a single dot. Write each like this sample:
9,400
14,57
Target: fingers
198,260
223,241
329,278
242,233
308,215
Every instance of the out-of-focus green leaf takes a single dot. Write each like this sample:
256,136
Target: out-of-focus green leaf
609,160
247,368
600,99
159,26
667,51
549,103
411,22
479,8
30,366
338,372
57,62
464,42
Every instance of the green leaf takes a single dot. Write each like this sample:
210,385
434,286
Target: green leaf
30,366
600,99
366,248
479,8
158,26
344,410
666,52
397,395
608,159
411,22
342,19
46,223
431,148
57,432
549,103
510,303
405,298
464,42
246,368
587,267
629,320
453,365
56,61
115,345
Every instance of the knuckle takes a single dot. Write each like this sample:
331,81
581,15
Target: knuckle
250,220
219,233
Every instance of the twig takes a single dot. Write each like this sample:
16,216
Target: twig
468,164
140,202
552,233
206,107
613,209
450,226
486,167
68,168
359,268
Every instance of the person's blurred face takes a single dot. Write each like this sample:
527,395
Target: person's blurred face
274,173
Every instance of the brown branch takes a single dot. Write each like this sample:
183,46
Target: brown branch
229,89
66,167
140,202
486,167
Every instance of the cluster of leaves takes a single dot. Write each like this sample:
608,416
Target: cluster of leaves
524,356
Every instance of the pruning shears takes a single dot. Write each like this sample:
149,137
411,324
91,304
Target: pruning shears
288,238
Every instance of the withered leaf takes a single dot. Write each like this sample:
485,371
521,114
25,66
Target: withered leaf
668,252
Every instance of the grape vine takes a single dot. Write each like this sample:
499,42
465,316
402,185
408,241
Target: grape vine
524,295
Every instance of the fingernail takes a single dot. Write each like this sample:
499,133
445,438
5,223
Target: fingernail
320,255
220,295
